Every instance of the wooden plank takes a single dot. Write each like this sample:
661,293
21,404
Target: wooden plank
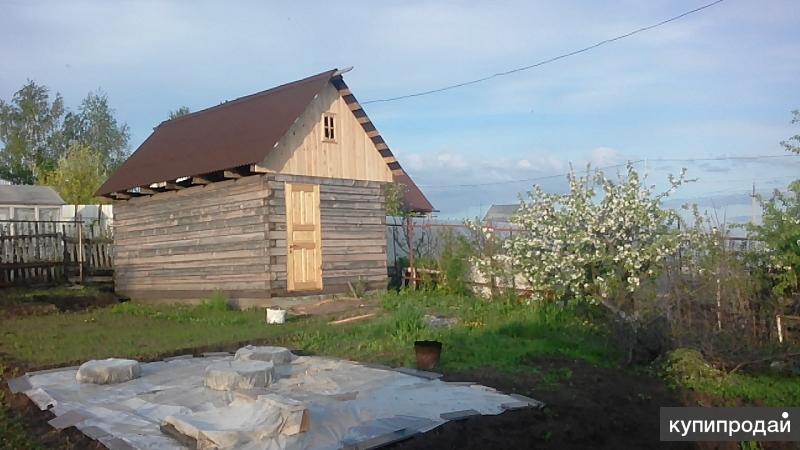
172,186
194,197
256,168
210,286
352,319
324,181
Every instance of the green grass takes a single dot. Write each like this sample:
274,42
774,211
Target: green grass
766,389
687,369
496,334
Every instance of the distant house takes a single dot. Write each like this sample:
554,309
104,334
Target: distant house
275,194
500,214
22,202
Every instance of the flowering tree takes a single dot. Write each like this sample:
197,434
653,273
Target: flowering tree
579,246
780,233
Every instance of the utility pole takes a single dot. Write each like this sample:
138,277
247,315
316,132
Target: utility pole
753,205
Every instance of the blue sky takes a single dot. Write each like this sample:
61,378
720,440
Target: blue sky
718,83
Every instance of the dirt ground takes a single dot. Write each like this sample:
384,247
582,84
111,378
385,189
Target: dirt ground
336,309
61,301
587,407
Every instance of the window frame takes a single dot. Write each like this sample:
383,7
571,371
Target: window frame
329,132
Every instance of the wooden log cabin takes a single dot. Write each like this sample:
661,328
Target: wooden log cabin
273,195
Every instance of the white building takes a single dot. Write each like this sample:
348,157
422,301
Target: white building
29,203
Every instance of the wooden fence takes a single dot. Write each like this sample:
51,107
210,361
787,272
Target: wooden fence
49,252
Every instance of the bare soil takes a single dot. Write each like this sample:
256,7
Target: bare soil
48,303
35,422
339,308
586,407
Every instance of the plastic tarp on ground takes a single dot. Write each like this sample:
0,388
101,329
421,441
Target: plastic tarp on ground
346,403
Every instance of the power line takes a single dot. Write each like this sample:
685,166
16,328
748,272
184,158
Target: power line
561,175
546,61
545,177
723,158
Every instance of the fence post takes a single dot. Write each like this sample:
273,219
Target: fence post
79,229
65,250
410,237
511,265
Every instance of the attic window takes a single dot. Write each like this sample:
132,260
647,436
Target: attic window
328,128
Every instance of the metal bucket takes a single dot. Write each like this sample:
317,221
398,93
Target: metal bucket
428,354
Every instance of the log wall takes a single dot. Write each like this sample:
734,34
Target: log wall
231,236
185,244
353,217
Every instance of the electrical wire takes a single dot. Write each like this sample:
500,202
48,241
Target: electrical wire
546,61
638,161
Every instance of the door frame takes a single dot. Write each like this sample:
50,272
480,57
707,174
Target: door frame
291,284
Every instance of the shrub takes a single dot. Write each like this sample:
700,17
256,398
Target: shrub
217,302
453,262
780,232
687,367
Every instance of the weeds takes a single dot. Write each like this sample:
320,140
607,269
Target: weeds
687,369
217,302
215,311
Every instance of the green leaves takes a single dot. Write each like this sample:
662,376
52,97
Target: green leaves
78,175
30,130
38,134
780,232
180,112
793,143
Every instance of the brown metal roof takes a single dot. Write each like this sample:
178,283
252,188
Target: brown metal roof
236,133
414,198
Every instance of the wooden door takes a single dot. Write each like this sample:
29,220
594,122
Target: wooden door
303,238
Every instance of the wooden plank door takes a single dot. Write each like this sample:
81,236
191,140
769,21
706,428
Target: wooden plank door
303,238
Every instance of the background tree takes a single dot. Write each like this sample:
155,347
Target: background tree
30,131
793,143
780,233
180,112
78,175
95,126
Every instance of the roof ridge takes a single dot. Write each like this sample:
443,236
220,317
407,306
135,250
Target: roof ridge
249,96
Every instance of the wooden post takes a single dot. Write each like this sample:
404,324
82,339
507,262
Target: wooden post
492,275
719,303
65,249
410,238
79,253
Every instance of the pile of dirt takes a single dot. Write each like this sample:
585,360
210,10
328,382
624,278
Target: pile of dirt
587,407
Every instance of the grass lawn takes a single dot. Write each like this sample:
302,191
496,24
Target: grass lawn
494,334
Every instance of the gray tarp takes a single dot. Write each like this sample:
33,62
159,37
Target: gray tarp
346,403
